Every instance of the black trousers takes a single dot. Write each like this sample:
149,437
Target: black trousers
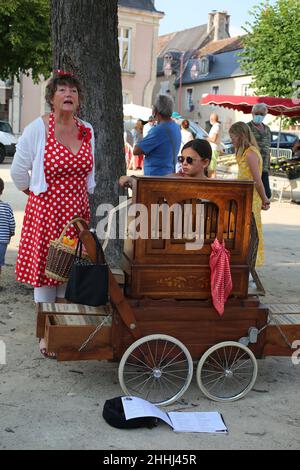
266,183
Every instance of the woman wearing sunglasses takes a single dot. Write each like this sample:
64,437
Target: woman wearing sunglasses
194,161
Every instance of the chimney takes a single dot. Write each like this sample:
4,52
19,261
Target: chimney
211,20
219,21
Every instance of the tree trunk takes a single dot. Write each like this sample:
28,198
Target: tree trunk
85,42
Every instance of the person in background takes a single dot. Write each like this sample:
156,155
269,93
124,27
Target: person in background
162,144
250,168
186,136
54,166
296,149
262,134
7,226
137,133
214,138
176,117
194,160
148,126
128,138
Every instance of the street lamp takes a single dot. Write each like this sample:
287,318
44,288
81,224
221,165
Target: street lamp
194,72
168,70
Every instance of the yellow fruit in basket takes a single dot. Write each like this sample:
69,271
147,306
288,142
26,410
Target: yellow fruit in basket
69,241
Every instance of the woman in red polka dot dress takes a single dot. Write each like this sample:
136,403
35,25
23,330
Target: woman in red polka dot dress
58,150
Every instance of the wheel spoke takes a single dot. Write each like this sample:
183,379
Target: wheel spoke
171,363
150,352
163,358
140,360
219,364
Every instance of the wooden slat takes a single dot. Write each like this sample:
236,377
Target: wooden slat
74,309
73,320
284,308
285,319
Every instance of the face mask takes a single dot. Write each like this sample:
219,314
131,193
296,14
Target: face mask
258,119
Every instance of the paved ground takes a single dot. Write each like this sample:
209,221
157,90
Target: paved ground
50,405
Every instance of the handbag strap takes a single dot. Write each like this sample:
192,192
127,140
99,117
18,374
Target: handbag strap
73,221
100,254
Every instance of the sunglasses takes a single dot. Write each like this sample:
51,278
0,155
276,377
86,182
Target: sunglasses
189,160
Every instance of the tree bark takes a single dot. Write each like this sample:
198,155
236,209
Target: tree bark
85,42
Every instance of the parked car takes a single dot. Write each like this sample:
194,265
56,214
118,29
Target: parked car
287,140
200,133
7,141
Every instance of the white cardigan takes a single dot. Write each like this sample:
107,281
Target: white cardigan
29,156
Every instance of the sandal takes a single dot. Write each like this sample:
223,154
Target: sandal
45,353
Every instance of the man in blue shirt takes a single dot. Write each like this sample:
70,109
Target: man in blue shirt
162,143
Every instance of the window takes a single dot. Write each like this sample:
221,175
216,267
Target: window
126,98
5,99
246,90
5,127
125,48
164,88
290,138
189,105
215,90
204,66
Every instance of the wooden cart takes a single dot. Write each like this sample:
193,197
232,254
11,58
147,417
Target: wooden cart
160,318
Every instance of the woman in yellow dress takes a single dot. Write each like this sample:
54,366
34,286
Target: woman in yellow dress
250,168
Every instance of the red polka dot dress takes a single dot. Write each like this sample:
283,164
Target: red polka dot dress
47,214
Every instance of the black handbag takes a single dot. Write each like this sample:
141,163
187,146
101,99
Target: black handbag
88,282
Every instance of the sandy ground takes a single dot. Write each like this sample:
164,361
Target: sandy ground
50,405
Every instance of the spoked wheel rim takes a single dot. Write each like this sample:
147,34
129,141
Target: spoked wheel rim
157,368
227,371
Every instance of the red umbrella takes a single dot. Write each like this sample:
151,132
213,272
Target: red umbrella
276,106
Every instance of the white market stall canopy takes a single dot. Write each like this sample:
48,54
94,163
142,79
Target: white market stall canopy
137,112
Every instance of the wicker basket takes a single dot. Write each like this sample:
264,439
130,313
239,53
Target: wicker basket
60,256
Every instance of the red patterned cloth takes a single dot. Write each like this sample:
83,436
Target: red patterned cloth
220,277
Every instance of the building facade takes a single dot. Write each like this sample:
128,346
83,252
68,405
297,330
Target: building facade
138,37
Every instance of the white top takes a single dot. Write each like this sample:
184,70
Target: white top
215,129
29,157
147,128
186,136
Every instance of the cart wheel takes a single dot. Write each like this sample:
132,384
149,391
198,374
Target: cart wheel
157,368
227,371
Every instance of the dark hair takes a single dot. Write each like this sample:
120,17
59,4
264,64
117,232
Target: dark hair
201,146
58,80
1,185
185,124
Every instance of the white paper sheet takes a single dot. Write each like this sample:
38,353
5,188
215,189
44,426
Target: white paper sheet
210,422
197,421
135,407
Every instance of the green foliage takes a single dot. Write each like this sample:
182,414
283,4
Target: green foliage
272,48
25,38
